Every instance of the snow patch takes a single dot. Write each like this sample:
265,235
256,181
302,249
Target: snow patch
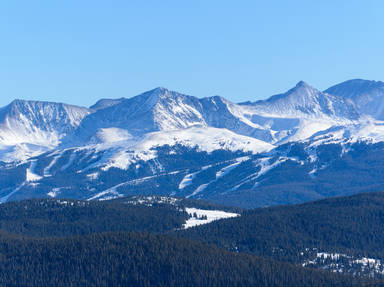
31,176
54,192
106,195
188,179
205,216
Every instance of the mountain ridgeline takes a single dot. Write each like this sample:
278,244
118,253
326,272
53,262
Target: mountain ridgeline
301,145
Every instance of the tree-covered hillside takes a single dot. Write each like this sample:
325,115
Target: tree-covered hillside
56,242
346,225
139,259
58,217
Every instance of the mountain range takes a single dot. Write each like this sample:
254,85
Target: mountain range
297,146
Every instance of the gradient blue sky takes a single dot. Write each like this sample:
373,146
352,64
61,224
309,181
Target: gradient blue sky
80,51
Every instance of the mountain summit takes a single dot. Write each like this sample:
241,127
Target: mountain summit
30,127
367,96
304,100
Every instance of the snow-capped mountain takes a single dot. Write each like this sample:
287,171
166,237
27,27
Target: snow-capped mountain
156,110
367,96
306,101
30,127
300,113
105,103
295,115
168,143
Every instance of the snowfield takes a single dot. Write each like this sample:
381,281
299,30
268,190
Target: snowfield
122,154
205,216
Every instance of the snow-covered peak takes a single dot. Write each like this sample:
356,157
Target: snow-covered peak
164,110
303,87
157,95
155,110
105,103
163,92
302,84
36,124
44,115
354,88
173,110
305,101
367,96
301,94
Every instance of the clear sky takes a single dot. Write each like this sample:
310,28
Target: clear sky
79,51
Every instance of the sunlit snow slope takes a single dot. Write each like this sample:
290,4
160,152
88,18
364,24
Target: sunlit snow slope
169,143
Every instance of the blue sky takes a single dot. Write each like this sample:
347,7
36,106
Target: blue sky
80,51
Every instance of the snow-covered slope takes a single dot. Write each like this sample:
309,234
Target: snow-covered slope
221,113
163,110
156,110
367,96
105,103
169,143
29,127
295,115
300,113
129,150
306,101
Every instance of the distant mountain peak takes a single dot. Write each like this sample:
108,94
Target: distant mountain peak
360,81
353,87
153,95
304,100
302,84
367,96
304,87
36,103
37,124
300,92
20,103
160,90
158,93
105,103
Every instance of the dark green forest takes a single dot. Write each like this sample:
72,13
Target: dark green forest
142,259
354,225
52,242
54,217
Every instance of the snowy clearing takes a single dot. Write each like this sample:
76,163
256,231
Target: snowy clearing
205,216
